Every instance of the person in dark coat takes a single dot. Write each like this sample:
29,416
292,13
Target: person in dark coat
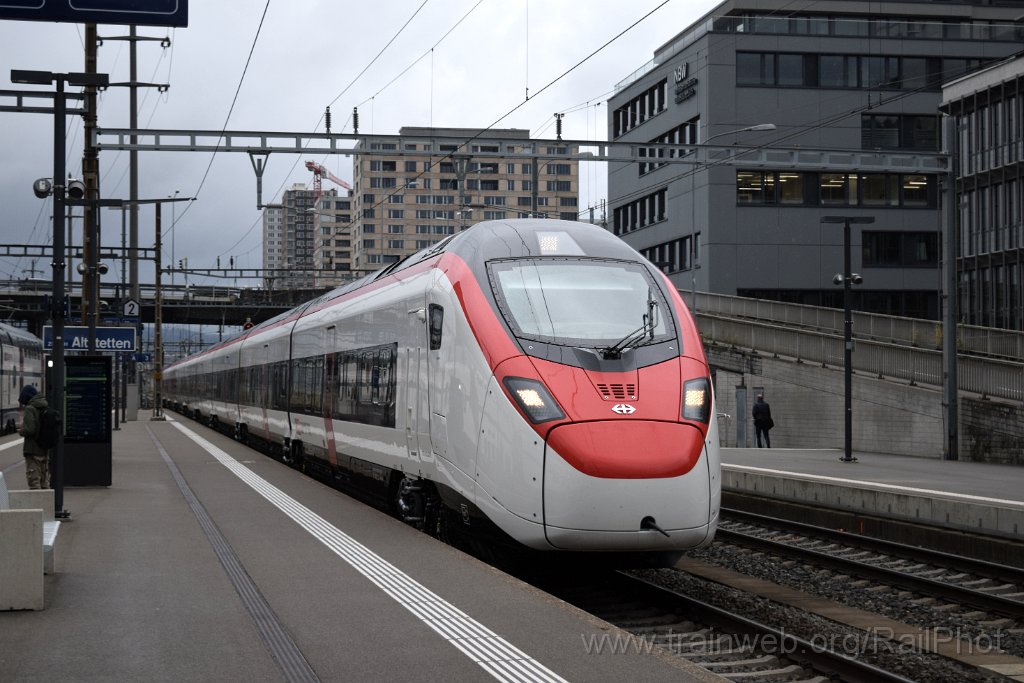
762,421
37,458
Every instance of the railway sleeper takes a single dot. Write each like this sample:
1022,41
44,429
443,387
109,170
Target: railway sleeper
761,664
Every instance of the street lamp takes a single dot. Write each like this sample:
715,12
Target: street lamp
847,278
59,189
759,127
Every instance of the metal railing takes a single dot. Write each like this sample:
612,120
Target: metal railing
989,377
916,332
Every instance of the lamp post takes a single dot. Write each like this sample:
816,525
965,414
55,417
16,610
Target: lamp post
846,278
59,188
759,127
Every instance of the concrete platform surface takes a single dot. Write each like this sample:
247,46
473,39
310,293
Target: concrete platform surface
967,496
987,480
208,561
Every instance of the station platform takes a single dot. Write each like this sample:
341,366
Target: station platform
209,561
966,496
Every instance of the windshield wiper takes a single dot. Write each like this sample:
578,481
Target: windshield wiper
650,319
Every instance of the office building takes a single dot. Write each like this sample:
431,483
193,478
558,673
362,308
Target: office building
829,74
988,111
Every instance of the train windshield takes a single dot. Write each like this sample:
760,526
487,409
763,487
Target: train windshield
580,302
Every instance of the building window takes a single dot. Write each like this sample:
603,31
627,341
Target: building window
396,213
559,186
636,111
892,131
836,189
639,213
410,167
900,249
396,244
396,229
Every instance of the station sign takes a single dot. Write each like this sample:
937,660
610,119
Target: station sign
141,12
76,338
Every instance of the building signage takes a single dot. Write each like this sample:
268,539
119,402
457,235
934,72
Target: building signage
76,338
686,87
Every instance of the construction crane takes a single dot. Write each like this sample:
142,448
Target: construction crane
318,172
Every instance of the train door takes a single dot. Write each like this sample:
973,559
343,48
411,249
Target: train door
417,413
440,361
330,391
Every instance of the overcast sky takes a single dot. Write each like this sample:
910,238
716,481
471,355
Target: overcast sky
308,55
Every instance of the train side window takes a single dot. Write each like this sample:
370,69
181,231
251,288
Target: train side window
436,321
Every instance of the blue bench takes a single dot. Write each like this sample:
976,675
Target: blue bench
28,532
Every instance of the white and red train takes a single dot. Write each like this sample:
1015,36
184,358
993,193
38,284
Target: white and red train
21,363
536,380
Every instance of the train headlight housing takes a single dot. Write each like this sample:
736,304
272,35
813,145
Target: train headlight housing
697,400
533,398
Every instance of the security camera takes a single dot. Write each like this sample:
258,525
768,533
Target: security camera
102,269
82,268
42,188
856,279
837,279
76,189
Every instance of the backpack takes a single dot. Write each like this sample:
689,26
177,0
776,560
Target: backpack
49,428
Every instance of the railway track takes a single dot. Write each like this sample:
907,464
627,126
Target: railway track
725,642
997,589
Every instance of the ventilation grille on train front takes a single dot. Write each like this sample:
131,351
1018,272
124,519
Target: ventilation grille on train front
617,392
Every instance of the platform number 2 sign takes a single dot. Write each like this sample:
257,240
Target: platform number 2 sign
132,309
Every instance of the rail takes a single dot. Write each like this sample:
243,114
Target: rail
988,377
916,332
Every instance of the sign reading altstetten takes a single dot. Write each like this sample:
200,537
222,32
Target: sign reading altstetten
76,338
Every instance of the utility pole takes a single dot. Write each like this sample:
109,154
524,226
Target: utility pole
91,178
950,386
133,86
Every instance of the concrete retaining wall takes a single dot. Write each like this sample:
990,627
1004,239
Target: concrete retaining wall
888,417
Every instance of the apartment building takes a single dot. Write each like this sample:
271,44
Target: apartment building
433,182
288,239
332,243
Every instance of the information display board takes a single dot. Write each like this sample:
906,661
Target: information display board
87,420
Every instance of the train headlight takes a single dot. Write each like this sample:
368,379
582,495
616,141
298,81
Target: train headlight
533,398
697,400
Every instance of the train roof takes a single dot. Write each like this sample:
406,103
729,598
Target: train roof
484,241
19,337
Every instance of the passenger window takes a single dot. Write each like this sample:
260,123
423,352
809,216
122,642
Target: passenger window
436,320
